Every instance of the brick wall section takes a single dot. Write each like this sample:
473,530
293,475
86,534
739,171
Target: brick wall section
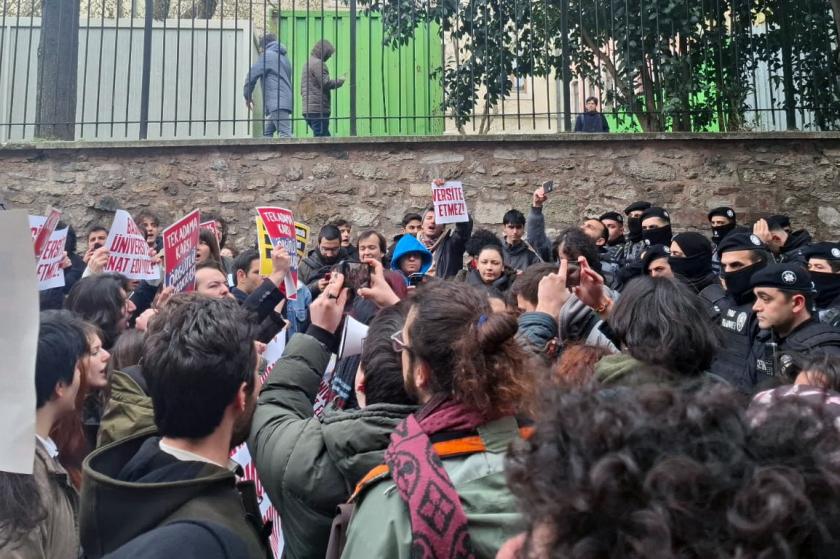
373,182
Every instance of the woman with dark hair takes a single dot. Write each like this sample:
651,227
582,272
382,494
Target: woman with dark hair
208,247
103,299
490,270
659,326
75,434
669,473
463,364
39,511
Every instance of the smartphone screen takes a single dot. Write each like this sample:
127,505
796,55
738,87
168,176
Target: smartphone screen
356,274
548,186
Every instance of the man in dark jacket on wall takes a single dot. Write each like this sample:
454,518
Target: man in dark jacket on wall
591,120
308,466
201,370
315,88
275,71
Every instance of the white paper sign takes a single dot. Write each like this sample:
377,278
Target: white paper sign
18,344
274,350
129,251
48,270
450,205
353,338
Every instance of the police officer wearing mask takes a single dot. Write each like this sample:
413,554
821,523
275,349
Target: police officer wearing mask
691,260
723,221
784,298
656,226
614,222
629,256
824,267
730,305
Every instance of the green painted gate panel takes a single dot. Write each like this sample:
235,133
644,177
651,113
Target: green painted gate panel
395,94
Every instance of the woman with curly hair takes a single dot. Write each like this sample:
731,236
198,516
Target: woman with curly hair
669,473
441,488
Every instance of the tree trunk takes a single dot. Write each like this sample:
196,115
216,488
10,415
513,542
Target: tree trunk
203,9
58,60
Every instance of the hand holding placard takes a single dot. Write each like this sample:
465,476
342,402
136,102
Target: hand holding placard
450,205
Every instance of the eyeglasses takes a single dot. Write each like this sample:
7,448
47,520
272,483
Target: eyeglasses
397,342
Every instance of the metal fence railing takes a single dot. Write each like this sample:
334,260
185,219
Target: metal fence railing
129,69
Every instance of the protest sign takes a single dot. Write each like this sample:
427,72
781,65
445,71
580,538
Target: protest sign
129,251
280,225
353,338
210,226
180,242
45,232
18,344
264,248
274,350
450,205
48,268
302,238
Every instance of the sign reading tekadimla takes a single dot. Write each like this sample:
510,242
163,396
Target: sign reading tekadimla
180,243
129,252
280,225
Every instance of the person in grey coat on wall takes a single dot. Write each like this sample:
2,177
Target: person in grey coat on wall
316,87
275,71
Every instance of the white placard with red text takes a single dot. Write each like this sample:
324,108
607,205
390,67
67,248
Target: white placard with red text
129,251
450,205
280,225
48,269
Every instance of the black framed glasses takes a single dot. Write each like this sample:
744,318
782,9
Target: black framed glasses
398,343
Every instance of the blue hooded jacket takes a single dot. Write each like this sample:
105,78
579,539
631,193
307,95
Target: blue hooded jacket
406,245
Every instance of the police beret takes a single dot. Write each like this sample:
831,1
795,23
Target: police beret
636,206
826,251
723,211
740,240
657,212
614,216
787,276
652,253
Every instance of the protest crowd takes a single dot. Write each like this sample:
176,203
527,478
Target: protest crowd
618,389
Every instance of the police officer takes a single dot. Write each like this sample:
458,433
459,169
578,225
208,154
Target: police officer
656,227
824,266
631,252
784,298
786,246
723,221
614,222
730,305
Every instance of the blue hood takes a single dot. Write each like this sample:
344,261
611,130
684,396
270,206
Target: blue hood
409,244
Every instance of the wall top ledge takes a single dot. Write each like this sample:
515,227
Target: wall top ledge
451,140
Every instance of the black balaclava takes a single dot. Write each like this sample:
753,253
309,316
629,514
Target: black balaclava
697,262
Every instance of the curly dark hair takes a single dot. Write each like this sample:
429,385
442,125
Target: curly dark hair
671,472
480,239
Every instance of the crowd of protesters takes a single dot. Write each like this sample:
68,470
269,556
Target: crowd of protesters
617,389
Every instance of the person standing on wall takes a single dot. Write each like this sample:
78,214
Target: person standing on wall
275,71
591,120
315,87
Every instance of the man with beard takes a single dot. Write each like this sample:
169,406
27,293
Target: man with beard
614,222
824,266
786,245
783,302
201,369
314,268
731,306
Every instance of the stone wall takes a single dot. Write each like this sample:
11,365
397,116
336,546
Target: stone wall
373,182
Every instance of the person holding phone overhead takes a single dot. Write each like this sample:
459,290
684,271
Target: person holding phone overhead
315,88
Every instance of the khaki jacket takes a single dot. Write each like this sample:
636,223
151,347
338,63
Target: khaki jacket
57,536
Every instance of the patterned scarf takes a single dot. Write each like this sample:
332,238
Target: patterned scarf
438,523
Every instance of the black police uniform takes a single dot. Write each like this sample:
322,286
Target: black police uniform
774,355
734,314
827,284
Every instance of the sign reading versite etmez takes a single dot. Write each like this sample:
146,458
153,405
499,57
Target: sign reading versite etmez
450,205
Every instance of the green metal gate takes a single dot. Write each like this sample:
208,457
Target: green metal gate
395,93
